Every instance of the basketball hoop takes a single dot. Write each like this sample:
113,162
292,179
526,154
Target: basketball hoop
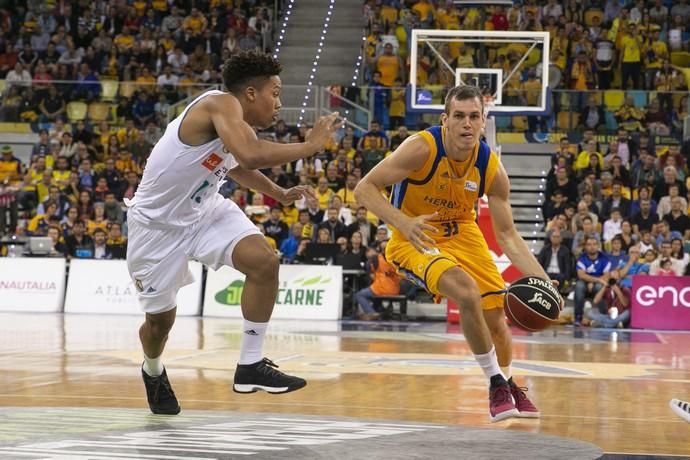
489,103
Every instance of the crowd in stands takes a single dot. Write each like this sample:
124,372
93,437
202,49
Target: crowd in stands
615,212
595,45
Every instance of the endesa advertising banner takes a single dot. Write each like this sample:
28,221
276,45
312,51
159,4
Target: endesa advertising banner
660,302
104,286
32,284
304,292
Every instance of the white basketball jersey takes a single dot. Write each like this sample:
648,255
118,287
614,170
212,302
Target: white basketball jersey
180,181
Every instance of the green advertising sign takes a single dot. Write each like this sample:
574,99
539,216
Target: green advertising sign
300,292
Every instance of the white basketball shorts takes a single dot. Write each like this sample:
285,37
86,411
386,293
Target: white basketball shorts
157,258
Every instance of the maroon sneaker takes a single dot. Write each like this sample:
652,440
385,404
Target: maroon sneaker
522,402
501,403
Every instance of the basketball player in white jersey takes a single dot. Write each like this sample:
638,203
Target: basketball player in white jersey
177,215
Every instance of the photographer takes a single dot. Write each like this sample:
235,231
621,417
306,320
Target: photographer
617,302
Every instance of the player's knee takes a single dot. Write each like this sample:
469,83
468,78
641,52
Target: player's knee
497,325
468,302
159,325
266,267
463,290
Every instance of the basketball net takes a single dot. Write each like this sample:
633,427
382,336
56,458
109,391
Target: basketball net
490,125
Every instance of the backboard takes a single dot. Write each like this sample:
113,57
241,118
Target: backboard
511,66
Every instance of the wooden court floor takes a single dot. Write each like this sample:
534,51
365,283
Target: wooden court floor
608,388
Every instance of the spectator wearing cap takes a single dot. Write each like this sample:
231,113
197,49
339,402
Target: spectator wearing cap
10,166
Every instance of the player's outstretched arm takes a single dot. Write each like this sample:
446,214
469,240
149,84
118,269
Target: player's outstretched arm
507,236
251,152
409,157
253,179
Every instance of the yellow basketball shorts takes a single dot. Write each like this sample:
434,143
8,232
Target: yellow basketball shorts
467,250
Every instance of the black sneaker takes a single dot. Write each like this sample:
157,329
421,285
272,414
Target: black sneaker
263,375
160,395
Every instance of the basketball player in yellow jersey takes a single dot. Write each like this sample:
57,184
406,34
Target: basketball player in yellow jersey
439,174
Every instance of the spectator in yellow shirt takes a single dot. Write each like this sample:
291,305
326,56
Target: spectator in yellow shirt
629,116
196,22
583,159
99,219
128,135
655,55
38,226
146,80
10,166
323,193
124,41
126,163
61,172
347,193
631,58
425,10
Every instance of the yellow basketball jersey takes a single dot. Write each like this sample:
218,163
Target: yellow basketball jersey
450,188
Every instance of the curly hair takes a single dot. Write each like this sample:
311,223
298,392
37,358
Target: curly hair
241,68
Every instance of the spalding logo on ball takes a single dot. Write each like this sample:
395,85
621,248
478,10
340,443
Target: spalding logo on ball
533,304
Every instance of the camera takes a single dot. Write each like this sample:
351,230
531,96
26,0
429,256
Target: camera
612,282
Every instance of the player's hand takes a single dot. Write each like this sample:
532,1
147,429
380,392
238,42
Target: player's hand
413,229
295,193
322,131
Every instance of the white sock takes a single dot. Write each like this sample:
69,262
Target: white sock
253,335
489,363
506,372
153,366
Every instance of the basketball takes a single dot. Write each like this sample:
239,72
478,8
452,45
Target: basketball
532,304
